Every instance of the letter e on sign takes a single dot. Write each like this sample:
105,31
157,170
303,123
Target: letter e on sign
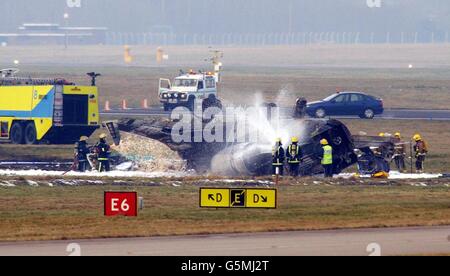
121,204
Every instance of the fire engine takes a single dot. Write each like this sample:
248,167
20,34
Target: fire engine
51,110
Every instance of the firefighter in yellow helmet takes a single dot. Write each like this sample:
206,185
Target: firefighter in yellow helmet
421,151
278,156
399,153
103,151
294,156
326,155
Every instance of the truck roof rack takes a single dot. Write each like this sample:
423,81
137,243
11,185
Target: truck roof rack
19,81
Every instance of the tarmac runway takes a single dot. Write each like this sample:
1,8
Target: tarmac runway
389,114
360,242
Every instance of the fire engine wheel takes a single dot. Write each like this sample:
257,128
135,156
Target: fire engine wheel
30,134
17,134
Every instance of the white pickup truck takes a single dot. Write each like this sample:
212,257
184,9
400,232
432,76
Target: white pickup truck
187,89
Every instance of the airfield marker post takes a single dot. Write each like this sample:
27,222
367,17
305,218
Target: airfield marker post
107,106
144,104
124,105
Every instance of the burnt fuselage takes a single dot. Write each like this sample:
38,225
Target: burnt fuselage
252,158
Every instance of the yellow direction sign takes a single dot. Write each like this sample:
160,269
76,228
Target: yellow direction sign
238,198
215,198
261,198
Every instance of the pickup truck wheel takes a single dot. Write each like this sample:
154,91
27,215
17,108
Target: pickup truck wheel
17,134
320,113
30,134
191,104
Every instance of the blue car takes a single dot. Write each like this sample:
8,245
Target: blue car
346,104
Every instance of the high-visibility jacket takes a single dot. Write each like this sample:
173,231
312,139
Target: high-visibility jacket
278,156
103,151
294,154
327,155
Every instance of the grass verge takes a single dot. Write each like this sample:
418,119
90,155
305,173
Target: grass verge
45,213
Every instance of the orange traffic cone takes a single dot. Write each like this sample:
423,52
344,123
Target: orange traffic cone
107,107
145,104
124,104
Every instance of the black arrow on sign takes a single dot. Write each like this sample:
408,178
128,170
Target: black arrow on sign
210,197
264,199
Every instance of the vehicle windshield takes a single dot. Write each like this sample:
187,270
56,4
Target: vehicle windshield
185,83
329,98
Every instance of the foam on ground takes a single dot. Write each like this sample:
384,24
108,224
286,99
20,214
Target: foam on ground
397,175
95,174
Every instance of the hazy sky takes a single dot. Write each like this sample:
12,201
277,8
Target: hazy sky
233,16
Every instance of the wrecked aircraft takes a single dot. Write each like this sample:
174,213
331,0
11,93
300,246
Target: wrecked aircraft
254,159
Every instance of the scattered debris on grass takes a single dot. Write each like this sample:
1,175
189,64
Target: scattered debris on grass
147,155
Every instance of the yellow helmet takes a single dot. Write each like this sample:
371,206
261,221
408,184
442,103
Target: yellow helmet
417,137
278,140
398,135
324,142
83,138
381,134
295,140
102,136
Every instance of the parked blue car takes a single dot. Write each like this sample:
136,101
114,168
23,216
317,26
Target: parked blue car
346,104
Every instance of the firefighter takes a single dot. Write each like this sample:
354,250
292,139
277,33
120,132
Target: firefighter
294,156
399,153
81,152
327,158
420,148
103,151
278,157
300,108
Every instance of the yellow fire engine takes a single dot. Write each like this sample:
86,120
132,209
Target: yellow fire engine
51,110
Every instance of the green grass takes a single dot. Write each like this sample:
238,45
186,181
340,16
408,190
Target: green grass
42,213
38,153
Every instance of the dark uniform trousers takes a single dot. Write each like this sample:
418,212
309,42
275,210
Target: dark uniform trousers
103,157
400,162
328,170
278,159
81,151
294,157
419,162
